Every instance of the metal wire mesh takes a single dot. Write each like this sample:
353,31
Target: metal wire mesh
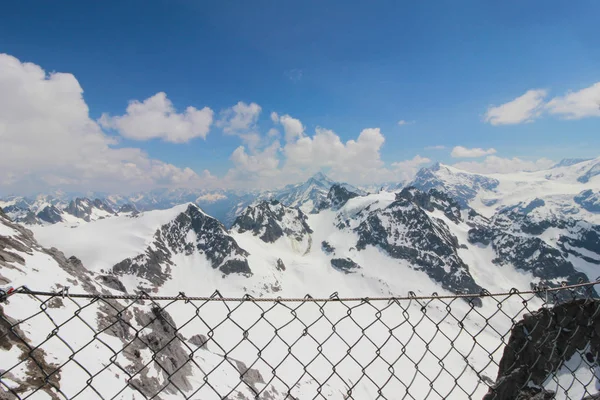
517,345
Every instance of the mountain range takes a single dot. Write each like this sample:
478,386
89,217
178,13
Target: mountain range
448,231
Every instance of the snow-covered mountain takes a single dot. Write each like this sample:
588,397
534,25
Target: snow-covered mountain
356,245
567,189
308,195
224,205
44,210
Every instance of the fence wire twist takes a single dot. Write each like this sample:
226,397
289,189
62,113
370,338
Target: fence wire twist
537,344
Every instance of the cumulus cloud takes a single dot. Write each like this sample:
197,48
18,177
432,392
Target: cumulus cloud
156,117
463,152
239,118
576,105
356,160
292,127
407,169
405,122
45,123
499,165
524,108
254,168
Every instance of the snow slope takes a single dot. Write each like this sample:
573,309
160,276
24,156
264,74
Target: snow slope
488,193
374,344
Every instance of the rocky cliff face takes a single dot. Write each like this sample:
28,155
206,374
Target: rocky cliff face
191,232
541,343
337,196
271,221
407,230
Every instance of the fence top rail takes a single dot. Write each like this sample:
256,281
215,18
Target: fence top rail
216,296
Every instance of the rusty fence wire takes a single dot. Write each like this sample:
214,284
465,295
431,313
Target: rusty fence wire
538,344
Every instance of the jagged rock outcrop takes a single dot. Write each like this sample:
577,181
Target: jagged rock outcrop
405,230
539,345
345,265
589,200
128,208
280,265
337,196
190,232
327,248
50,214
83,208
271,220
513,233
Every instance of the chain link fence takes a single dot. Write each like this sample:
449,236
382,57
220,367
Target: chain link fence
537,344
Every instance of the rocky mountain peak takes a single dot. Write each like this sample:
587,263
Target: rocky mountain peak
191,232
589,200
271,220
460,185
336,198
406,230
430,201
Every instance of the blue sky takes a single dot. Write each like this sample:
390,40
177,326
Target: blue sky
340,65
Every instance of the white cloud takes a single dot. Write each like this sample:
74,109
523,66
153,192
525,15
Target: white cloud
463,152
524,108
356,161
405,122
577,105
256,167
407,169
211,197
239,118
292,127
499,165
273,133
45,124
156,117
439,147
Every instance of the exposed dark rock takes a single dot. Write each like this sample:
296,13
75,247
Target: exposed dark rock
128,208
345,265
80,208
160,336
582,235
280,265
50,214
103,205
588,200
337,196
199,341
540,343
327,248
32,375
404,230
432,200
210,238
249,376
272,220
112,282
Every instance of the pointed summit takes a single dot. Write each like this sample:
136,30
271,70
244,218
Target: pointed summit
321,178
